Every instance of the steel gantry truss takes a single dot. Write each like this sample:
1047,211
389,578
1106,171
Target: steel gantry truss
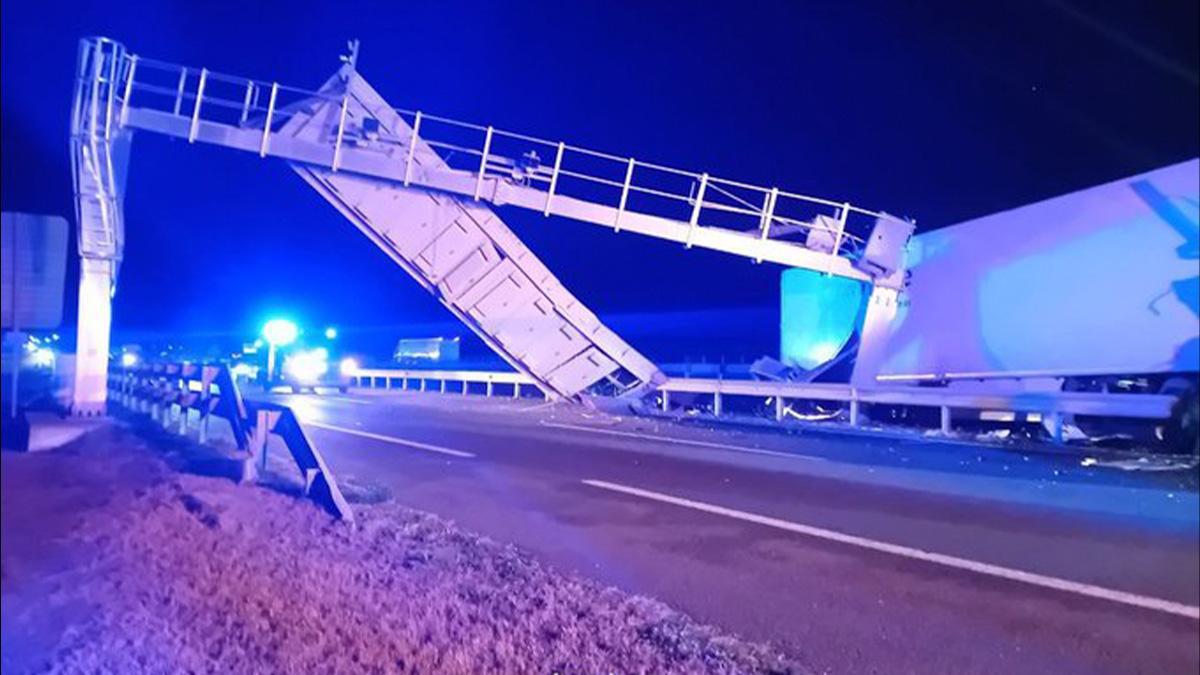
422,187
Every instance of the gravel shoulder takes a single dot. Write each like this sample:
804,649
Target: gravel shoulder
115,559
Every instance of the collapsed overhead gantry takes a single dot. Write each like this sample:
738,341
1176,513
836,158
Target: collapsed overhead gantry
421,187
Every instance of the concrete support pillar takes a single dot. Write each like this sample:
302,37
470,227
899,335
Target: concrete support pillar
90,394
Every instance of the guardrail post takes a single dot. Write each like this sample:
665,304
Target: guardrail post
666,400
489,388
387,382
412,148
842,218
422,389
179,90
129,75
341,132
265,143
516,390
466,386
717,403
262,433
246,102
695,220
487,148
558,157
624,195
778,408
945,419
768,213
854,408
1055,420
195,127
443,385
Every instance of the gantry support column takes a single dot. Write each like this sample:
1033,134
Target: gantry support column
99,154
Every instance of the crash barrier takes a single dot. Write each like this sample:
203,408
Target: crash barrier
511,383
170,392
1053,407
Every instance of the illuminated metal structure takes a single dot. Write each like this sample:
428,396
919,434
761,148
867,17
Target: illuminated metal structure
422,187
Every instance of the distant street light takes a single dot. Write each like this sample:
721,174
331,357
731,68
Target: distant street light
331,333
278,333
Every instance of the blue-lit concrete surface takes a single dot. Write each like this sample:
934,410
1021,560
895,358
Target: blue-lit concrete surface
519,476
818,314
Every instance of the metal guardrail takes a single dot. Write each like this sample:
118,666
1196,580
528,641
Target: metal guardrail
464,378
1052,405
169,392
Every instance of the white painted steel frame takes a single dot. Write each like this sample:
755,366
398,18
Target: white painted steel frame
755,243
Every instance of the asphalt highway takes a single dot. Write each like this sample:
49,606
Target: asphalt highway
854,554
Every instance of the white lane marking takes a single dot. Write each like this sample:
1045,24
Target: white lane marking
392,439
1055,583
342,399
682,441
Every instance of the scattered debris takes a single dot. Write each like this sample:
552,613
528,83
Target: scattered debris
1145,463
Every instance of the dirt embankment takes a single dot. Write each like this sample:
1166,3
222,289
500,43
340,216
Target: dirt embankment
114,562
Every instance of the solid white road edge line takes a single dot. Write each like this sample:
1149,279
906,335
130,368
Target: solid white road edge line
390,439
681,441
1055,583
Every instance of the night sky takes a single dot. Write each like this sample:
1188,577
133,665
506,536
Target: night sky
938,111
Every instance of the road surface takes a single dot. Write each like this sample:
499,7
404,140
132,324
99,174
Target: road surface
854,554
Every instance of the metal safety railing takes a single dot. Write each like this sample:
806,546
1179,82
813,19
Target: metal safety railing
1053,406
170,392
516,384
556,168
